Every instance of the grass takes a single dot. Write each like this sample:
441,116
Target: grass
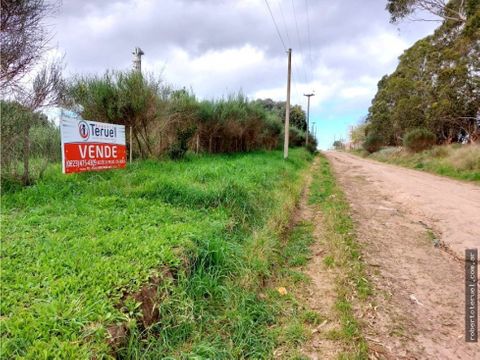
76,248
345,257
456,161
294,318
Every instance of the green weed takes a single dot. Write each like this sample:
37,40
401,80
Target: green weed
74,246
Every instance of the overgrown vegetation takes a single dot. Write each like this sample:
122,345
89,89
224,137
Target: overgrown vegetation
24,38
171,121
344,255
164,122
28,143
436,84
419,139
456,161
78,252
372,143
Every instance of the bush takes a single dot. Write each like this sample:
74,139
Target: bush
372,143
178,150
338,145
296,137
29,142
312,146
419,139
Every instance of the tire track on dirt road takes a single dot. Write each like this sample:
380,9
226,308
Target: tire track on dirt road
418,301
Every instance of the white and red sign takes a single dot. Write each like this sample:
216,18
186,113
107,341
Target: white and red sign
91,145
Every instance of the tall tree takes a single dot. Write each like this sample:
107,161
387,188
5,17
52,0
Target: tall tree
437,81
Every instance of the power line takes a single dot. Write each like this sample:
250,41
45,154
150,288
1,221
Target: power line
309,41
284,23
276,26
296,79
298,37
294,72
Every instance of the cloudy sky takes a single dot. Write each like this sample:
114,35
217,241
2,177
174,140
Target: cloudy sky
340,48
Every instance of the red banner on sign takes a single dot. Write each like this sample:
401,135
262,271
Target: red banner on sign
80,157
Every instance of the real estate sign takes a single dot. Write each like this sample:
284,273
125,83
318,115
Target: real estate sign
91,145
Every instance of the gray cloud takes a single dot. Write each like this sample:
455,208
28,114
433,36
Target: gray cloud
216,46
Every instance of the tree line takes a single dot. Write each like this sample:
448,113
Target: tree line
165,121
435,90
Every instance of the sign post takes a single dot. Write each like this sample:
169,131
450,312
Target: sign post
91,145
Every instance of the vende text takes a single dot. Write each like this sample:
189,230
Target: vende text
98,151
87,157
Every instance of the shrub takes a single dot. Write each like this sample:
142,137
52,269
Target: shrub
125,98
372,143
312,146
419,139
178,150
296,137
29,142
338,145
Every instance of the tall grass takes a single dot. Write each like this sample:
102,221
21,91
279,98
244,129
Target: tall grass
456,161
166,121
76,249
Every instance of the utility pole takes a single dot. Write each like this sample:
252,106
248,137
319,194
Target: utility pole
287,106
308,115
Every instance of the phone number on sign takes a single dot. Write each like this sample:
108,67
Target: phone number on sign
93,162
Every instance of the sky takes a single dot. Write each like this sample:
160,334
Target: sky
340,49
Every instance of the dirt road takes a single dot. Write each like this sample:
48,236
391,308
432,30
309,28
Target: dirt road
414,228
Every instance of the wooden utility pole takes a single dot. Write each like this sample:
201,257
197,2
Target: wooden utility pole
287,107
308,115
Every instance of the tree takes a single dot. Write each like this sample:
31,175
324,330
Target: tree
358,134
445,9
24,37
435,85
43,141
339,144
298,117
127,98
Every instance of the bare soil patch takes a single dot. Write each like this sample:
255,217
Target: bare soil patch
319,295
405,219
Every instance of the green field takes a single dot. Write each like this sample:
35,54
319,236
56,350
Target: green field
77,250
